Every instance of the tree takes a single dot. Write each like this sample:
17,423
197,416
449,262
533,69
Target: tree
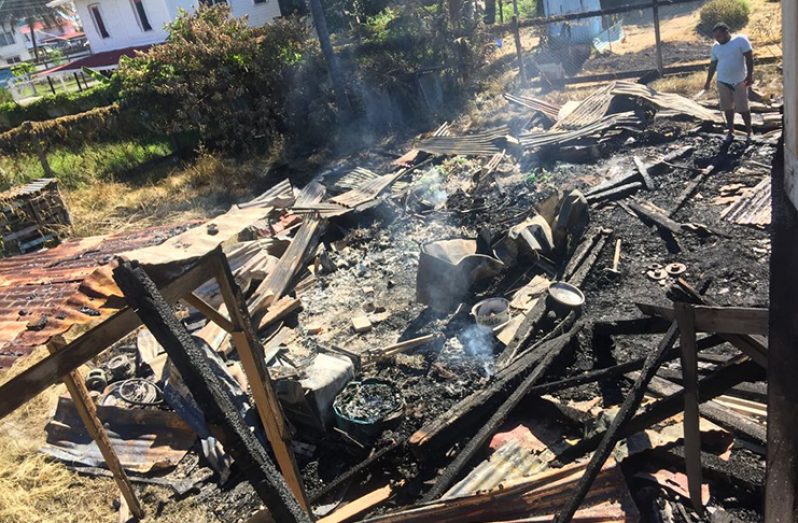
29,12
226,82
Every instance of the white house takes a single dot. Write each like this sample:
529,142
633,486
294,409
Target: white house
12,46
119,24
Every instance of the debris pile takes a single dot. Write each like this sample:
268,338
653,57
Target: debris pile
487,332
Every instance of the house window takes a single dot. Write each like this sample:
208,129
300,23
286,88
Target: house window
261,1
213,2
13,60
6,38
97,18
141,15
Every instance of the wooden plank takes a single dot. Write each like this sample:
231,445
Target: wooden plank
362,504
88,414
250,351
403,346
749,345
276,283
713,411
692,431
221,414
207,310
279,311
28,384
732,320
652,213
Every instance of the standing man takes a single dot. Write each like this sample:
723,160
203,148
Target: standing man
733,59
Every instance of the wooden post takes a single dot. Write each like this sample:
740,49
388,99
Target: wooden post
519,50
50,83
88,413
333,66
782,458
77,79
685,316
42,155
250,351
501,12
221,414
657,39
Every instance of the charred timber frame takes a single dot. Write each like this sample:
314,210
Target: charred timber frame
66,358
223,418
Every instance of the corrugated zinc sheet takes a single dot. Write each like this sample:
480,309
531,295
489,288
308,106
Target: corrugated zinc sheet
753,208
44,293
144,439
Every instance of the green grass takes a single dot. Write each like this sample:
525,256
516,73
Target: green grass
526,9
105,162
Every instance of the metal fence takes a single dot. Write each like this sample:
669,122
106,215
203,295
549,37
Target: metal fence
579,41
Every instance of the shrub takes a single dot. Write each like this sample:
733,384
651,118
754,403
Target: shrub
5,97
55,105
733,12
219,78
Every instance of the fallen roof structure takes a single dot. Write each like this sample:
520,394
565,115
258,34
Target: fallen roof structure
455,340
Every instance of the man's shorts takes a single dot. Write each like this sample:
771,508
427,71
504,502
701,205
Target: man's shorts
735,99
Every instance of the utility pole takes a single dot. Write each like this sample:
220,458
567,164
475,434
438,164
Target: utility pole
657,39
333,66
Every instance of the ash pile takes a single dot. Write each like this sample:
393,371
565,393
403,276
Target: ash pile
517,322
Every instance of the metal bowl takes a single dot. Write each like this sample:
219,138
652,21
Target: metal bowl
492,312
566,295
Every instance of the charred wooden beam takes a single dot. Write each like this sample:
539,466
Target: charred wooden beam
615,193
740,370
555,348
524,333
653,214
645,325
614,183
663,164
357,469
733,473
642,168
614,433
443,429
222,417
614,371
579,273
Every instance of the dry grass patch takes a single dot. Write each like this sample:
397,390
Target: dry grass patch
34,488
172,195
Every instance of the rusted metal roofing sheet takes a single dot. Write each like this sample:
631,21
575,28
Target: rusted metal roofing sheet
44,293
144,439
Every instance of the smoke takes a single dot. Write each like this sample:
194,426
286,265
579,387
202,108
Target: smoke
478,343
429,188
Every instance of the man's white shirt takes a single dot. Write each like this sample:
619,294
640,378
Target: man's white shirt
731,67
